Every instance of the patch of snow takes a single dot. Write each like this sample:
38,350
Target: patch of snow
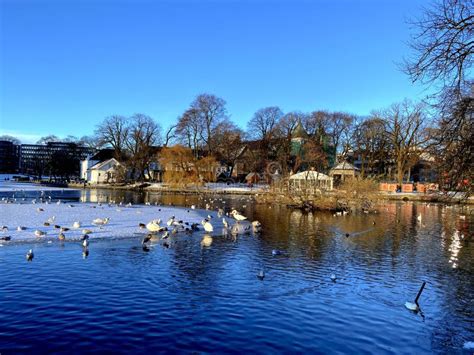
124,221
13,186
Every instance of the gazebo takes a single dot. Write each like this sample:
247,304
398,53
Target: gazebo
344,170
311,179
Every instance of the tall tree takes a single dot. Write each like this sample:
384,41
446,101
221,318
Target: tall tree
9,138
407,135
143,135
264,122
189,130
229,144
48,139
454,147
211,111
371,145
444,44
339,127
113,131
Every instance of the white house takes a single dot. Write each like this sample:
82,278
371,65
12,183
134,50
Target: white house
86,164
104,172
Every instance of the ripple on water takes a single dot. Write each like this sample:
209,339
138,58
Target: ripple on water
190,298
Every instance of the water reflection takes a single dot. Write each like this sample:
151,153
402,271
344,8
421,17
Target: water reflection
202,292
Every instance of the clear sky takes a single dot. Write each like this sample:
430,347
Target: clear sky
65,65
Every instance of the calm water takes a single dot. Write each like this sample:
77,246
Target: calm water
192,299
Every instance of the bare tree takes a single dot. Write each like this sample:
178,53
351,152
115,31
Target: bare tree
406,125
316,122
229,144
170,135
113,131
189,130
371,145
339,126
211,111
48,139
9,138
454,147
444,44
264,122
143,136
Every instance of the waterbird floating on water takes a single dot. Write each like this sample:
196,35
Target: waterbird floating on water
415,306
30,255
206,241
256,226
261,274
333,277
76,225
154,226
207,226
237,215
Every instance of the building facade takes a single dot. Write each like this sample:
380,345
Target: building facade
9,157
59,159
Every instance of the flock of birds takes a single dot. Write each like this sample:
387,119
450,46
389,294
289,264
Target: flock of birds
233,222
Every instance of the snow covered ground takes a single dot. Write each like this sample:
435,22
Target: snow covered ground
13,186
124,220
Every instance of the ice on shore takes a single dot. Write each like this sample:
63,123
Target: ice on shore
124,220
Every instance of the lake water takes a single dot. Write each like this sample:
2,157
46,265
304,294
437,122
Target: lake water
189,298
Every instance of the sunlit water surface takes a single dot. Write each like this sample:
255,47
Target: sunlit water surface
188,298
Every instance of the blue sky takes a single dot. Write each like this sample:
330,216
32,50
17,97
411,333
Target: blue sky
65,65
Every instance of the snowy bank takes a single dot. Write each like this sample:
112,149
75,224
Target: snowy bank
124,220
19,187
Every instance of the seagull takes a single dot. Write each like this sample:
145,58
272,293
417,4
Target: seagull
30,255
207,226
39,233
76,225
193,207
237,215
